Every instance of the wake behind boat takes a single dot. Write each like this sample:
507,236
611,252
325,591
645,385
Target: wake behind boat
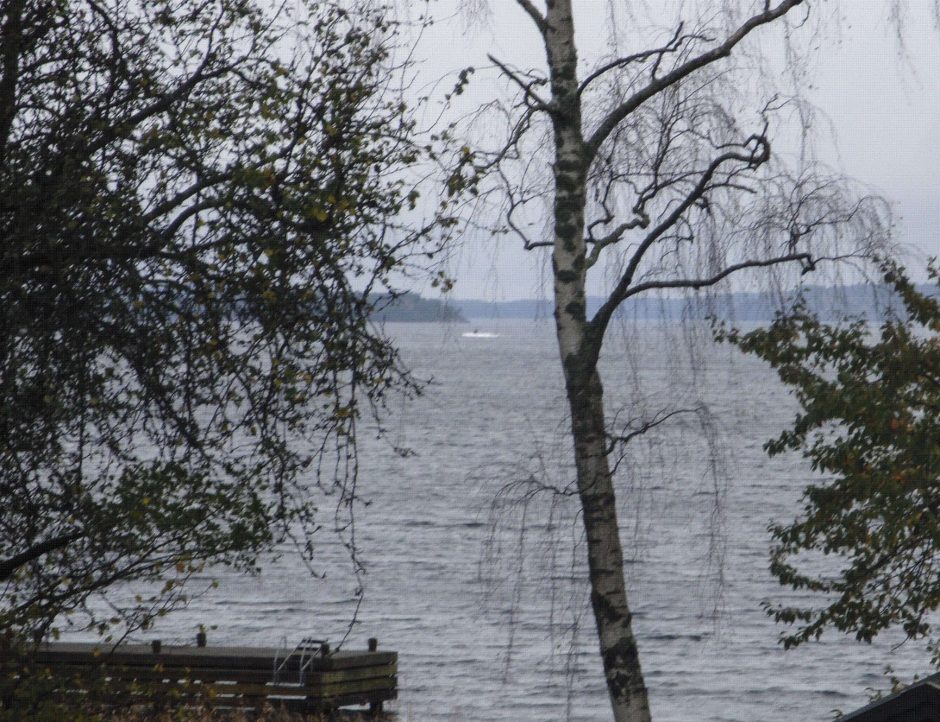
475,333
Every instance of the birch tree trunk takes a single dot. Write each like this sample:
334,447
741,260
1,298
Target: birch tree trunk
694,189
579,349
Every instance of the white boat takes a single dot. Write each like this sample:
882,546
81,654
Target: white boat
479,334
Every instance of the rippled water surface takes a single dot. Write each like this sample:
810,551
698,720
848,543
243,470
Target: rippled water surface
483,593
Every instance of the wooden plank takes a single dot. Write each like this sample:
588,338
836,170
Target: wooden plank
161,688
366,685
157,684
361,693
308,706
216,674
240,657
348,660
210,674
329,690
348,674
143,655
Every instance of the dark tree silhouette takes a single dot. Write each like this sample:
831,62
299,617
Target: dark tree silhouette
196,200
869,427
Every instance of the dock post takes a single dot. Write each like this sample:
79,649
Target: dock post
155,645
375,708
200,639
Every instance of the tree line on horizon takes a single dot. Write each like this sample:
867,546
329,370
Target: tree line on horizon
873,302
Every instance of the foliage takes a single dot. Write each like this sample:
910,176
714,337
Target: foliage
869,427
196,200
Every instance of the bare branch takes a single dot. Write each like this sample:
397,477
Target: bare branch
806,259
9,566
657,86
674,44
537,101
184,215
661,417
641,221
185,194
760,154
514,204
530,245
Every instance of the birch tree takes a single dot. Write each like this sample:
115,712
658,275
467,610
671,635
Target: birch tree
661,170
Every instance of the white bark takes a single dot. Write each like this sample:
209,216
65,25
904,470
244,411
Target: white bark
577,346
580,339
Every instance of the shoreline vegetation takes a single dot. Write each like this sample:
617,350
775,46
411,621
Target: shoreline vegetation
410,307
268,715
198,714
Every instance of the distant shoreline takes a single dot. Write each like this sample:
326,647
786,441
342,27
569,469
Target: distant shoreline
872,302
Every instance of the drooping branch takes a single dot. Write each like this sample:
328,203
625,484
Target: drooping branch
660,418
674,45
517,193
515,204
618,114
759,155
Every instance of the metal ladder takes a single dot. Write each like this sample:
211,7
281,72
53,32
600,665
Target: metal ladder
307,650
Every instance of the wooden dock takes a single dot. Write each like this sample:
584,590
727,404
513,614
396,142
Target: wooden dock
305,679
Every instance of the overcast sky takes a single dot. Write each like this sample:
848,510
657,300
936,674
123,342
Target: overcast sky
881,99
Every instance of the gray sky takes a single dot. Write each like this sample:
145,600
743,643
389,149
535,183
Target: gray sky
878,101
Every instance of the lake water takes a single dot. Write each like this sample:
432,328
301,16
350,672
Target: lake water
484,595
